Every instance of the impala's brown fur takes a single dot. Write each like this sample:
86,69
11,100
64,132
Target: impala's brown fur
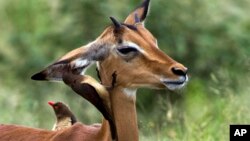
78,132
131,52
86,87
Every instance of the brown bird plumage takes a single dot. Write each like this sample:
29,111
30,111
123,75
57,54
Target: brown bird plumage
64,117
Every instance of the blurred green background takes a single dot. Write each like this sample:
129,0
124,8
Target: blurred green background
210,37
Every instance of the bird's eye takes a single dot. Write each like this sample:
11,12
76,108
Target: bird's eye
124,50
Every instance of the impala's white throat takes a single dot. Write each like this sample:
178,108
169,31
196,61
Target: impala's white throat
130,92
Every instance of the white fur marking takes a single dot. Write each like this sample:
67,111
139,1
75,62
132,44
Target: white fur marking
131,44
172,86
156,41
80,63
83,63
130,92
98,65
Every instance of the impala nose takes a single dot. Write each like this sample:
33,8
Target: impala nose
181,71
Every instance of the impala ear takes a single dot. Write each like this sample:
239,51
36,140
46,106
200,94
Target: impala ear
76,62
115,22
95,93
117,25
139,14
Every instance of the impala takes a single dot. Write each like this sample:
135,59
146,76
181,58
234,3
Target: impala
91,90
127,57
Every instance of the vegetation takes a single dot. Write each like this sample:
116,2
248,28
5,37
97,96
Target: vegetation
211,37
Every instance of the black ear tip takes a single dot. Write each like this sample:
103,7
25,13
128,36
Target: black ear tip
145,6
145,3
39,76
115,22
112,18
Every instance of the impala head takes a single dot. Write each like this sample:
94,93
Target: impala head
128,49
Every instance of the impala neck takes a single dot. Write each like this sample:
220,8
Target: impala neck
124,112
104,132
123,106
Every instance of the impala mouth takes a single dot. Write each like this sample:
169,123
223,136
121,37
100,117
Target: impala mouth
175,84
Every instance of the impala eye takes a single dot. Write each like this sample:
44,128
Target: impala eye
126,50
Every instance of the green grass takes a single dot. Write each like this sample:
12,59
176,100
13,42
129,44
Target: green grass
204,116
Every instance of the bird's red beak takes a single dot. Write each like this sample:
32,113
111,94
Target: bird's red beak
51,103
